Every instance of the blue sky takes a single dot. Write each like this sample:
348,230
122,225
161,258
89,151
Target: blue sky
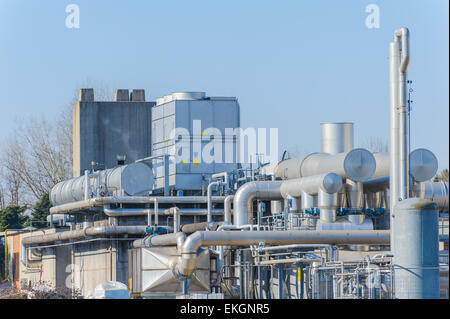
292,64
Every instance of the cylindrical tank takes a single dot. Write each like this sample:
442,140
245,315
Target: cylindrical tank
416,249
358,165
132,179
337,137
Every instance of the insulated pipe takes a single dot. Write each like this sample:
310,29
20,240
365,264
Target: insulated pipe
186,263
227,209
121,212
402,108
394,60
328,204
100,201
247,193
175,211
82,233
208,192
423,165
358,165
329,183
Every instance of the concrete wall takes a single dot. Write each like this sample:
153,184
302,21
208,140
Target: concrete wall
102,130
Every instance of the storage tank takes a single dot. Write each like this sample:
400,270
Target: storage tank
132,179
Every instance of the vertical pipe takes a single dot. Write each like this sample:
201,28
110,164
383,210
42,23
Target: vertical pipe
394,56
156,211
86,184
166,175
208,192
327,205
403,113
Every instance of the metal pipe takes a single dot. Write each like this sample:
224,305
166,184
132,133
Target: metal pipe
100,201
186,263
328,204
82,233
329,183
227,209
247,193
123,212
208,192
176,218
357,164
402,37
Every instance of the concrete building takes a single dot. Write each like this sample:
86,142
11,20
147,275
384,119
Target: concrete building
102,130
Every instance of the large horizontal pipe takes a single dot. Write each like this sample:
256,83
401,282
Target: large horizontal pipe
247,193
422,162
186,264
438,192
357,164
120,212
82,233
100,201
329,183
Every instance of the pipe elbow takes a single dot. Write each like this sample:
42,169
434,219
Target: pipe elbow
187,260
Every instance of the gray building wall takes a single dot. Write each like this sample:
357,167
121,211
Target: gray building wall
104,129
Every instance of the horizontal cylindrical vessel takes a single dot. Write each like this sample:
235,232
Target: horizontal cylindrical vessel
437,192
329,183
132,179
358,165
336,137
416,249
422,162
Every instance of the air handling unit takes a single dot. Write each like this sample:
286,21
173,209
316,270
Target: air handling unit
200,121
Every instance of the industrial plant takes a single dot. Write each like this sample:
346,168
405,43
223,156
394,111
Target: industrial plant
164,203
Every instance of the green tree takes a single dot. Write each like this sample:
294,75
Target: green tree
442,176
40,212
12,217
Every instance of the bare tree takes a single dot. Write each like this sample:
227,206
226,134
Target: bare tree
375,144
38,154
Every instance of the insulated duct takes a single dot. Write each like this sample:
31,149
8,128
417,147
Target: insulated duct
358,165
247,193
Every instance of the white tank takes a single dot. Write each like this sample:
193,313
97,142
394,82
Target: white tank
132,179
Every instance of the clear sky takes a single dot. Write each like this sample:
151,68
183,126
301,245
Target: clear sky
291,64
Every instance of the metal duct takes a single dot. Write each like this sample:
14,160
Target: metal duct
328,204
329,183
186,263
336,137
247,193
423,165
358,165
